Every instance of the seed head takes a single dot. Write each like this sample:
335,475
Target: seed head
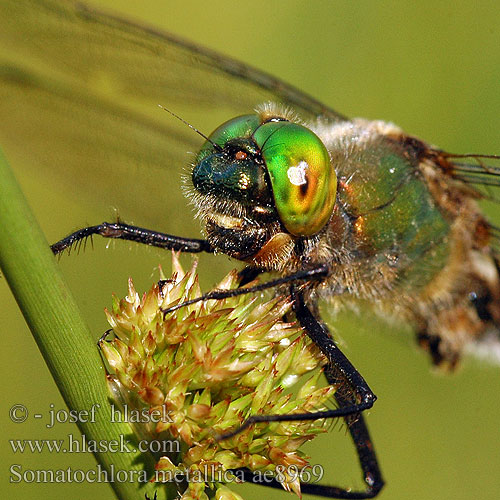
207,367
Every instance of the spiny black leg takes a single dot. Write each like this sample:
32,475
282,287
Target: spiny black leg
353,391
306,275
119,230
353,395
340,369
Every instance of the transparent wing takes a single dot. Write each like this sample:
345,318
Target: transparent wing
79,95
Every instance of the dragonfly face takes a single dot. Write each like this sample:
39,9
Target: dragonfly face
261,183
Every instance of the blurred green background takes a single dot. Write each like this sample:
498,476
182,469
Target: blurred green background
431,67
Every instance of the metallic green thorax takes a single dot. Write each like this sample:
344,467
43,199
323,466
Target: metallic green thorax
394,216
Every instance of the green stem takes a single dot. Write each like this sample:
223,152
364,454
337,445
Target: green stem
63,337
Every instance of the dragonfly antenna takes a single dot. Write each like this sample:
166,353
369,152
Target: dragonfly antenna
216,146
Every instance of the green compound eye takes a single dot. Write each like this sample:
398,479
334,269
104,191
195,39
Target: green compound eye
303,180
241,126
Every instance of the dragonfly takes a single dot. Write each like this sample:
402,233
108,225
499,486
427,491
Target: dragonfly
396,221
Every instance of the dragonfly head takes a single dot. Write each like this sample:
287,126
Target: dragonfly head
261,182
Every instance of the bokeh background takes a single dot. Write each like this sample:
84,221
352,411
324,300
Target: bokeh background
431,67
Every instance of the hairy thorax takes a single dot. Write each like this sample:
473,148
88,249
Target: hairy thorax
406,237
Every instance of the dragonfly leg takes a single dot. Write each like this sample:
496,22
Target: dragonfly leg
119,230
353,396
304,275
340,371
